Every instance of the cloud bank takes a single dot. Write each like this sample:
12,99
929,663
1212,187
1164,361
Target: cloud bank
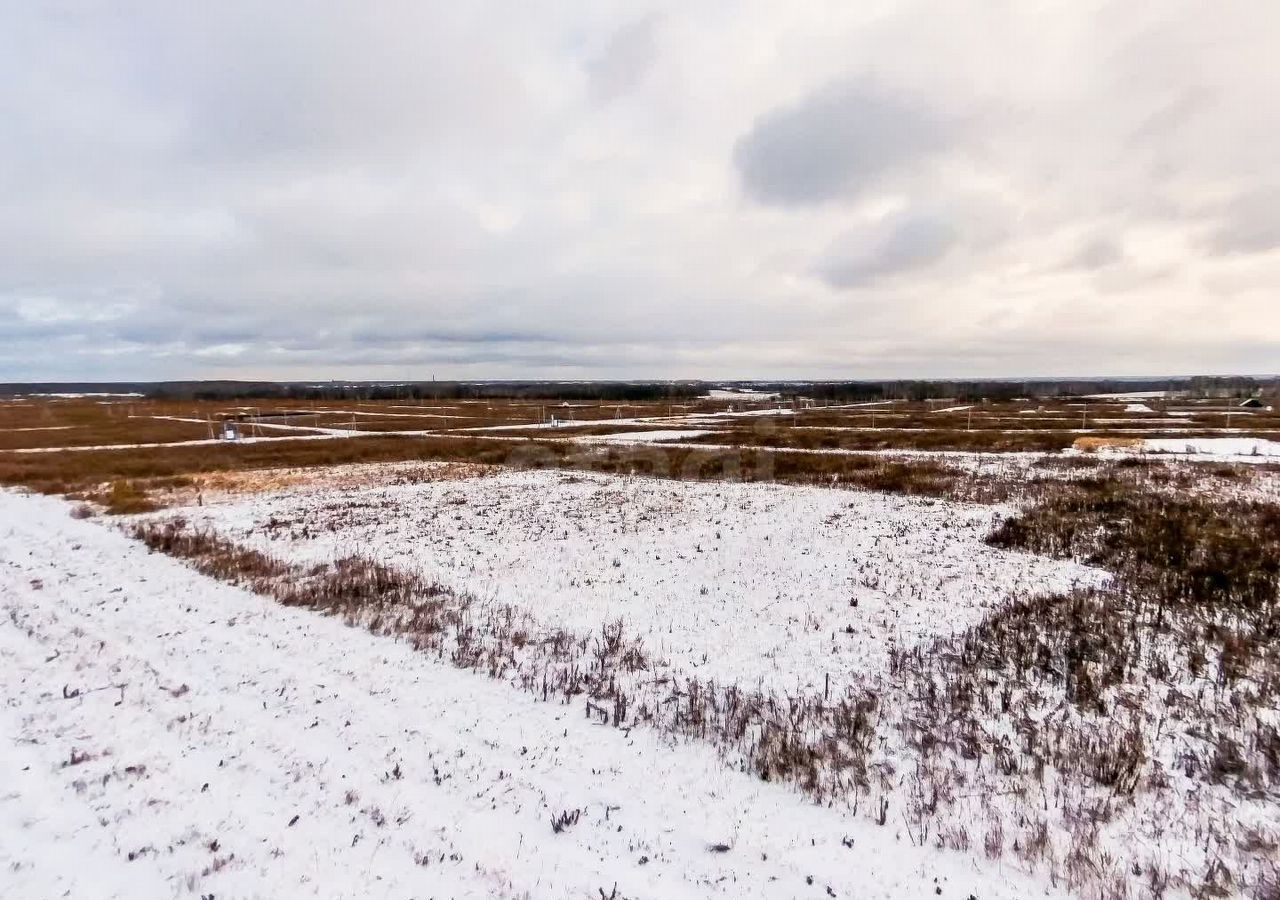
470,190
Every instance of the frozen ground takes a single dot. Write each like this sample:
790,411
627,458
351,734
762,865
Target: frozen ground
750,583
167,736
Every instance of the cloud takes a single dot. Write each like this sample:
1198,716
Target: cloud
912,242
835,143
623,62
1250,224
487,190
1095,253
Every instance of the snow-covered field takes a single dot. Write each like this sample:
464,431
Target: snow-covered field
177,736
760,584
164,735
1238,448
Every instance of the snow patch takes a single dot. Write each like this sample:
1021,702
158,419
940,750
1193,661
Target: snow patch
1225,447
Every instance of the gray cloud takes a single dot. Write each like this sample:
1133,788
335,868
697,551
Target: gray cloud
1095,253
1250,224
835,142
623,62
913,242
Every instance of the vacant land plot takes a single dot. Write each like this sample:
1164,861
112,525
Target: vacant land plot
187,738
752,583
1014,673
1039,426
880,653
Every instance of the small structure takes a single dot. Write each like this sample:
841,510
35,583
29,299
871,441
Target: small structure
230,431
1251,403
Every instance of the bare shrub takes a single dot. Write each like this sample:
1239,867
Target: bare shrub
565,819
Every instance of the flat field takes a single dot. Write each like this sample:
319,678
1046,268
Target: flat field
748,583
536,650
46,424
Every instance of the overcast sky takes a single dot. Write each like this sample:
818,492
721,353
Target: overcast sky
581,189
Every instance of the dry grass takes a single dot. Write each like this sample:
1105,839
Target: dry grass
258,481
168,475
937,437
1092,444
71,472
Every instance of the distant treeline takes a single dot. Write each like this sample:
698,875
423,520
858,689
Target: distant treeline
368,390
833,391
855,391
439,390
